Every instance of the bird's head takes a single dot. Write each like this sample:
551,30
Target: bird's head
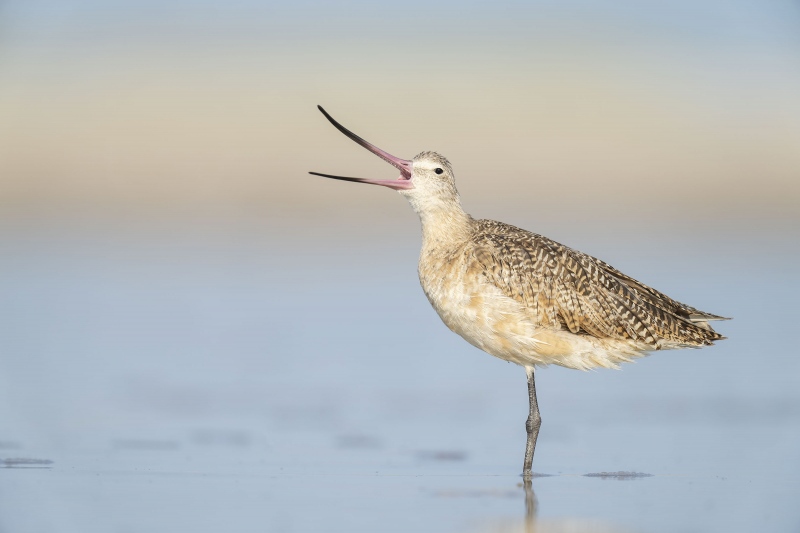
427,180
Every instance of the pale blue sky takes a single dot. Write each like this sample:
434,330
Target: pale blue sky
732,22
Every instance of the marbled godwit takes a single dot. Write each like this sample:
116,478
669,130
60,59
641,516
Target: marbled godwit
524,298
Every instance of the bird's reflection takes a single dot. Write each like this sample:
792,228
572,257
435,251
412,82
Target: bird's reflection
532,523
531,505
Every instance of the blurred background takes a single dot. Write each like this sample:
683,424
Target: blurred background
164,110
187,316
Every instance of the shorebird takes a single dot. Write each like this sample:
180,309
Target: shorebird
525,298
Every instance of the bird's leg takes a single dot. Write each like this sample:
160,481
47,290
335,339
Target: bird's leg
532,424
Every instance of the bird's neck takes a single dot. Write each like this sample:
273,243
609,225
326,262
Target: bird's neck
443,221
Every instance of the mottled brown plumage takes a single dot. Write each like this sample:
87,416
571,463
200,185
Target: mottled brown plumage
567,289
525,298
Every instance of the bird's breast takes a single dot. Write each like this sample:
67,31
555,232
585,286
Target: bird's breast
475,309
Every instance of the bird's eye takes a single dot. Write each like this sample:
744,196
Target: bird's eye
438,170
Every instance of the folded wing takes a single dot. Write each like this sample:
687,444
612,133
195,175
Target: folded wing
566,289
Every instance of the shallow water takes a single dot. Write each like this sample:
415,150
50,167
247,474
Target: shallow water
228,382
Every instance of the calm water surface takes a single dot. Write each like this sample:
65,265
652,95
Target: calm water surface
223,382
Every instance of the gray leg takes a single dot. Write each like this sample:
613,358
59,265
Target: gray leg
532,424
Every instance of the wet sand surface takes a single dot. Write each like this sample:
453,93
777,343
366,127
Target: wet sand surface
226,383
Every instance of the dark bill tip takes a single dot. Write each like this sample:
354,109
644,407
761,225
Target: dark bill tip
404,165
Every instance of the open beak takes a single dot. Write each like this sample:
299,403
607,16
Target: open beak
403,165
